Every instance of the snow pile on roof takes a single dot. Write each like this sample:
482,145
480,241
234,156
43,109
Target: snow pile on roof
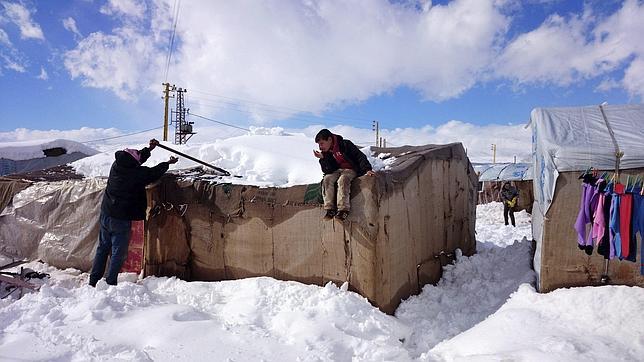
26,150
267,157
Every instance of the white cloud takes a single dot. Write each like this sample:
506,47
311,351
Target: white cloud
310,55
70,24
563,51
634,78
511,140
621,37
607,85
21,16
43,74
10,62
79,135
120,62
319,56
131,8
4,38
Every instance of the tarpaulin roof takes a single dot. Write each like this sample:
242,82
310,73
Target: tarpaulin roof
504,171
576,138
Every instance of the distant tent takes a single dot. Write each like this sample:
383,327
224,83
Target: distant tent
567,141
26,156
493,175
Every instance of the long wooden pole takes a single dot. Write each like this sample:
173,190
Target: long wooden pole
226,173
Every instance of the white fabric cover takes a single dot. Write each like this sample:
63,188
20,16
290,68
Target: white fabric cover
573,139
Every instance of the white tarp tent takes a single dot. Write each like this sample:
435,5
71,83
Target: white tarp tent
574,139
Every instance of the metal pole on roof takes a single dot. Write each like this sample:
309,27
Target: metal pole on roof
493,153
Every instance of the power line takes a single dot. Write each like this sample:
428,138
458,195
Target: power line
125,135
175,11
331,115
233,107
220,122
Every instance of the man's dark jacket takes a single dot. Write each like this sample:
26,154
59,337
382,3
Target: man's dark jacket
124,196
351,153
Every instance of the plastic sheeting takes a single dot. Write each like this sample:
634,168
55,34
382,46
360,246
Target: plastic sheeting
55,222
573,139
504,171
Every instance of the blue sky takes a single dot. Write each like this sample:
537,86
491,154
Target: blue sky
100,64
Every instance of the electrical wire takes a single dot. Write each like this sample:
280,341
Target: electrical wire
125,135
175,11
292,110
220,122
231,107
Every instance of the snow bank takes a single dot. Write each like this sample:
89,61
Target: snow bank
576,324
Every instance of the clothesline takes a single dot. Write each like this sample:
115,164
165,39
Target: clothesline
615,212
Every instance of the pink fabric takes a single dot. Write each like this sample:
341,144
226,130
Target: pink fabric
599,223
134,153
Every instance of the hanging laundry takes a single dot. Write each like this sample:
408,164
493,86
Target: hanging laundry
638,226
615,237
587,207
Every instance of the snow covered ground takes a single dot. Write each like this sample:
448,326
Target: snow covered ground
484,308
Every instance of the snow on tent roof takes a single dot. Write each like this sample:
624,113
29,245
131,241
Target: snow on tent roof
575,138
504,171
26,150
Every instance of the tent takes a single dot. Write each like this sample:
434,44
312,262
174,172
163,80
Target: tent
50,216
404,225
567,141
26,156
493,175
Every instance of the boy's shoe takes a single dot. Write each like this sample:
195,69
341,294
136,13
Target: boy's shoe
342,214
329,214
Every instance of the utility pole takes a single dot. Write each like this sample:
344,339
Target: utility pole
182,128
375,127
493,153
166,97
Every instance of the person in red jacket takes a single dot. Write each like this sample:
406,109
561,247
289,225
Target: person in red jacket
341,162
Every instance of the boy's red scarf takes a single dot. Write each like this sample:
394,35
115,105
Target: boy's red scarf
339,157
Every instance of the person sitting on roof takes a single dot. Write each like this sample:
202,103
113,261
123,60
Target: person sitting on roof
509,196
124,200
341,162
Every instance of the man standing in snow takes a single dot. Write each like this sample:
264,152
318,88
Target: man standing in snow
124,200
341,162
509,196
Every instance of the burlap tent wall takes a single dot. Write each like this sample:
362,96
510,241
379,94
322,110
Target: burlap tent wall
566,142
404,225
562,263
